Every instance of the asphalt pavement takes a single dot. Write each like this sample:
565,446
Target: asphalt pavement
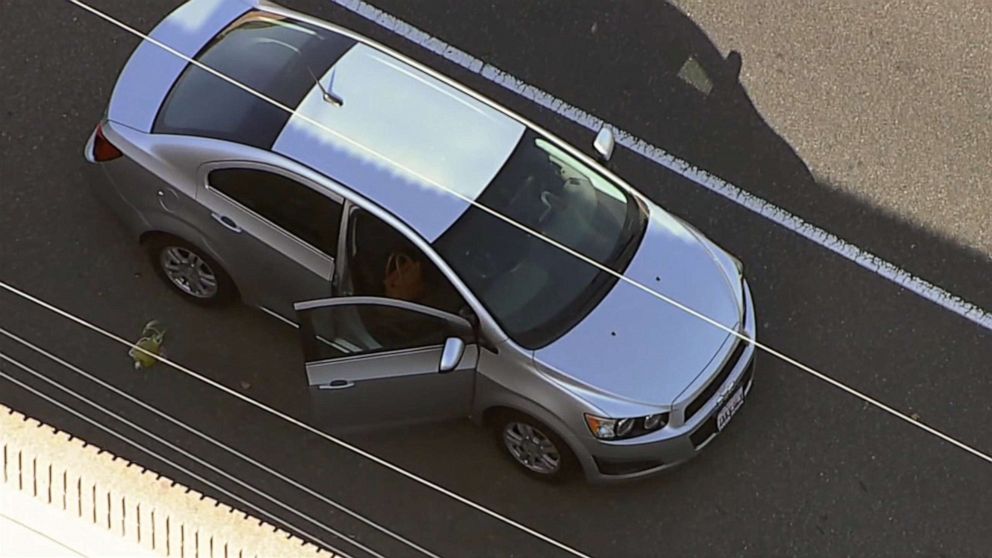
803,470
886,101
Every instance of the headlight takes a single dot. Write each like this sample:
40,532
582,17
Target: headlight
624,427
653,422
617,429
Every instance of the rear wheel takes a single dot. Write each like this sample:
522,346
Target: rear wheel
534,447
190,271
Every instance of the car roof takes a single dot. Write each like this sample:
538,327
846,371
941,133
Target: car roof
402,138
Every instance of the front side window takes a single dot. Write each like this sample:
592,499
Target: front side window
535,290
350,330
385,263
298,209
270,54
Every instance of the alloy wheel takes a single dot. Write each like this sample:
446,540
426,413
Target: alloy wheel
531,448
188,272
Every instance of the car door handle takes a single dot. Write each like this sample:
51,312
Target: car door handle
337,384
228,223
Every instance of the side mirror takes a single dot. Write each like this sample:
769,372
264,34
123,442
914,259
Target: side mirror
451,355
603,144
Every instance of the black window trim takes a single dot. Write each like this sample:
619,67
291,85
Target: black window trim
333,196
383,353
456,326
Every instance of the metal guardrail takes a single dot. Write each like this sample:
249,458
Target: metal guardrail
139,507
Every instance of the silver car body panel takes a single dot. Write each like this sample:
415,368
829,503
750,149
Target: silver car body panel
158,183
274,264
373,389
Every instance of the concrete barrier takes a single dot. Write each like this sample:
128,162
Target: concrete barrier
57,490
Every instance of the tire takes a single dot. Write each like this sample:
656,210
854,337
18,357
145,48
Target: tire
510,424
204,282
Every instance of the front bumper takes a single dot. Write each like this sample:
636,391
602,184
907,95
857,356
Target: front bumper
651,454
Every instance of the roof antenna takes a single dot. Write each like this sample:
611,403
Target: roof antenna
327,95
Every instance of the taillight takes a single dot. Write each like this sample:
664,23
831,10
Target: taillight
103,150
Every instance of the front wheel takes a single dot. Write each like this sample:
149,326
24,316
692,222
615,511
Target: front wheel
190,271
534,447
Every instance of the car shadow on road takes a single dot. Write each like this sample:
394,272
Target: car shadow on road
735,142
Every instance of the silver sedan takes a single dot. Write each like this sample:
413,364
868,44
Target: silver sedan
402,222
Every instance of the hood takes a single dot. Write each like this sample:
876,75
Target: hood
638,347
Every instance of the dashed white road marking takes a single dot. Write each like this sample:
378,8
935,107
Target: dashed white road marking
867,260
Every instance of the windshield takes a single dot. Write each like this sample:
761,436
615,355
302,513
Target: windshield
533,289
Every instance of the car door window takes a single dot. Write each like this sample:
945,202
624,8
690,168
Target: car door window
383,262
298,209
362,329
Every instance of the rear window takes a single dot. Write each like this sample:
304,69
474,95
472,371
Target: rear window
275,56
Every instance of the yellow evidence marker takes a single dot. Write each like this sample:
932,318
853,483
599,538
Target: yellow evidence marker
152,337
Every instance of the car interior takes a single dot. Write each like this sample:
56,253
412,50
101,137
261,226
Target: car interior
379,254
383,263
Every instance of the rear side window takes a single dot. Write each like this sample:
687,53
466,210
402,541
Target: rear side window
301,211
275,56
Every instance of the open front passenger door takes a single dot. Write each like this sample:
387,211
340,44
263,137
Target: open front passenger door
379,361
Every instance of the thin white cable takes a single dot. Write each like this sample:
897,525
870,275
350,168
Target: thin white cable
158,456
491,513
560,246
214,441
292,420
700,177
188,455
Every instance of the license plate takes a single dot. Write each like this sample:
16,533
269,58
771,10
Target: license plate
729,408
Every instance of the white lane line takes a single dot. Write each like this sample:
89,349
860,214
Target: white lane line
202,435
355,449
774,352
296,422
319,542
794,223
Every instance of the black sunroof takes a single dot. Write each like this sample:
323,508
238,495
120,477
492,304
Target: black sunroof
274,56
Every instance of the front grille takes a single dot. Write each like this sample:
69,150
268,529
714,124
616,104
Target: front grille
710,390
704,432
748,374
